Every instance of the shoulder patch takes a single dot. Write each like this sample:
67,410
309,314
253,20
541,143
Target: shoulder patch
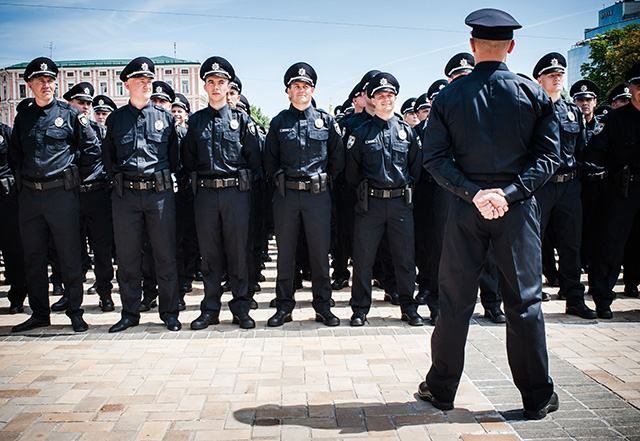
83,119
351,141
336,126
598,128
252,128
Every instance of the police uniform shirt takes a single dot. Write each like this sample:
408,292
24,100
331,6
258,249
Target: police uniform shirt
140,142
590,127
95,169
47,140
385,153
513,130
220,142
304,143
616,140
572,140
5,136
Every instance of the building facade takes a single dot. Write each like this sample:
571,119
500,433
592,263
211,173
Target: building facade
616,16
182,75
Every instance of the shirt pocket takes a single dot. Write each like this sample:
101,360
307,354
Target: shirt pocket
399,153
372,156
55,138
318,143
125,142
231,147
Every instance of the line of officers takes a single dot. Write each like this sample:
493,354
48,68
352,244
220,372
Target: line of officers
171,194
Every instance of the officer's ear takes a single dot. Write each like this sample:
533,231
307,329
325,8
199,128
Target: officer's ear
512,45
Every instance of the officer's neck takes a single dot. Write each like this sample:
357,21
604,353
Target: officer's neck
217,105
139,103
555,96
385,116
42,102
301,107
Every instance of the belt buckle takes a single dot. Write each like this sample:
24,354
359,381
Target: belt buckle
37,185
386,194
301,186
217,183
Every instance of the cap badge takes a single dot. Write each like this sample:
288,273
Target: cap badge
234,124
413,104
626,90
159,125
215,66
101,103
58,122
383,81
144,66
319,123
158,89
177,100
571,116
440,87
554,61
583,88
302,72
86,91
464,62
44,66
402,135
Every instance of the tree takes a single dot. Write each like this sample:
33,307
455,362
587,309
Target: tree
612,54
260,117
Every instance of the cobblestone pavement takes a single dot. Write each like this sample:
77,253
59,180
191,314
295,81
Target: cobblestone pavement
305,381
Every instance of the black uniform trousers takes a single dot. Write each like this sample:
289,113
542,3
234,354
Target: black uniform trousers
618,224
395,218
516,244
631,260
222,222
95,216
311,212
11,248
52,214
422,207
344,200
489,282
135,213
257,225
186,239
561,210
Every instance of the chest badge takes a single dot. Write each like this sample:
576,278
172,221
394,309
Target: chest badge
159,125
1,139
234,124
319,123
402,135
351,141
571,116
58,122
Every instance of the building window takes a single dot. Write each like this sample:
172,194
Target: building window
86,74
184,71
103,87
70,85
119,88
168,71
170,83
185,87
103,73
23,90
70,74
20,75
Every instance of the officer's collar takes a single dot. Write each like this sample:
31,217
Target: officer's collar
224,111
490,65
135,110
308,112
381,122
47,107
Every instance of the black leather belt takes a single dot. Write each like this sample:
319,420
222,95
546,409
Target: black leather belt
386,194
94,186
142,184
298,185
494,177
594,177
564,177
217,183
43,185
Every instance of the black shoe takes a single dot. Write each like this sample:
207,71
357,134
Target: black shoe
392,297
279,318
581,310
226,286
244,320
332,303
78,324
58,290
204,320
106,303
412,318
172,323
604,312
181,305
60,305
146,305
433,316
253,304
631,290
495,315
262,278
377,284
551,406
425,394
186,287
199,276
561,296
273,303
124,323
254,288
16,309
31,323
545,297
552,281
267,258
422,296
339,284
92,290
298,283
263,266
358,319
327,318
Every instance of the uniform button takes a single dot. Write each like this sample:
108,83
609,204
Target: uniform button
466,193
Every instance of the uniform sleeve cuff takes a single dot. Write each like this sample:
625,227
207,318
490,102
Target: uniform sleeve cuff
512,194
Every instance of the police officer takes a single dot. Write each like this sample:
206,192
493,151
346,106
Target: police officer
303,152
620,95
181,109
460,64
422,107
102,108
95,207
10,244
383,161
559,198
220,151
408,112
614,145
51,149
492,152
140,151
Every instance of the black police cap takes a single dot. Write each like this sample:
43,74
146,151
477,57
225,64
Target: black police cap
162,90
584,88
633,74
409,106
619,91
602,110
364,81
462,62
491,24
138,67
422,102
25,103
217,66
300,72
552,62
39,67
236,84
435,88
243,104
357,90
383,82
181,101
82,91
337,110
102,103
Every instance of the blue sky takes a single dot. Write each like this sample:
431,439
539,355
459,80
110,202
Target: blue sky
412,39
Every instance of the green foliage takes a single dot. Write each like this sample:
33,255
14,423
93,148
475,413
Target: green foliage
612,54
260,117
